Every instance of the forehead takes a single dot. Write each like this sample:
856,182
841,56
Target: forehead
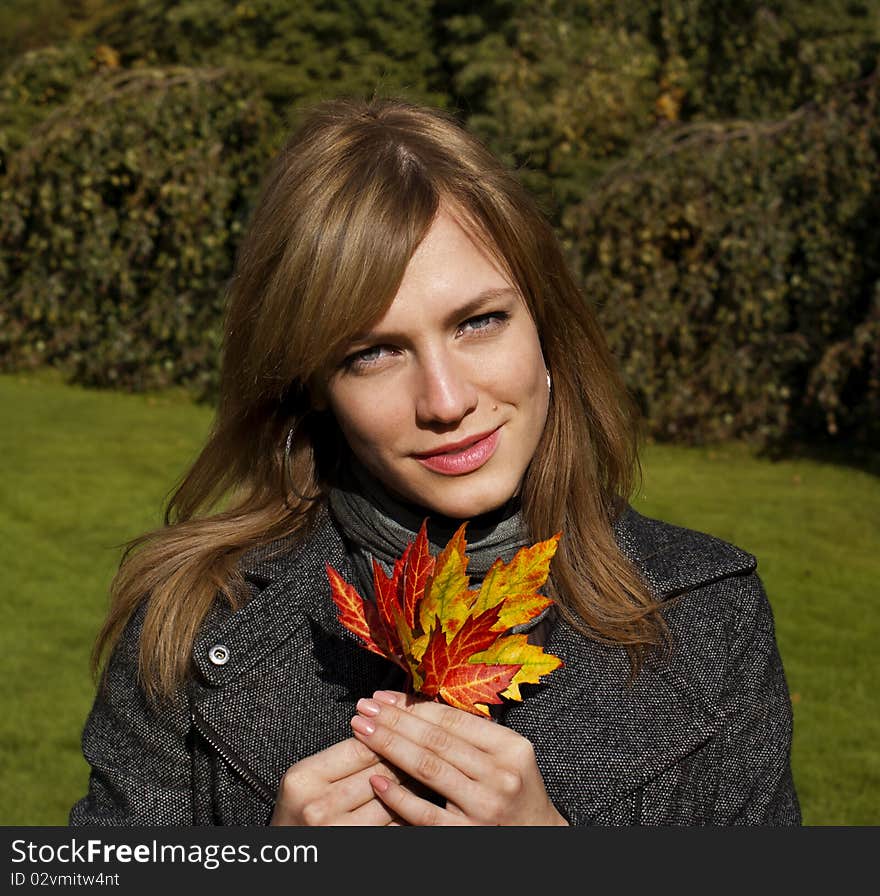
450,268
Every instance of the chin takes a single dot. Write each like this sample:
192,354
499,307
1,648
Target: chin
461,502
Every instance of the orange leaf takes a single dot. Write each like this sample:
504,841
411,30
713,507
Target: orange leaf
472,687
515,649
387,600
417,572
359,616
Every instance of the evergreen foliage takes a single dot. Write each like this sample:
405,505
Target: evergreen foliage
711,166
119,223
299,51
737,272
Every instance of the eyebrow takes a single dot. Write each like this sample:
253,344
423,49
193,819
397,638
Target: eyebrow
468,309
479,301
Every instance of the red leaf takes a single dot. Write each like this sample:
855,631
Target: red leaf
387,601
447,670
418,569
359,616
471,688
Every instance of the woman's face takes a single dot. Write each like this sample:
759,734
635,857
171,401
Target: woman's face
445,398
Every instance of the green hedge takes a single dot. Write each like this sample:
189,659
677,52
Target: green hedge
119,223
737,272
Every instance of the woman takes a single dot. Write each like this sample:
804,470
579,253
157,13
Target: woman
403,340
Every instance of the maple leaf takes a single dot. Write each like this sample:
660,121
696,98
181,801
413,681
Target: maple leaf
516,584
448,586
417,572
448,638
533,661
358,616
449,671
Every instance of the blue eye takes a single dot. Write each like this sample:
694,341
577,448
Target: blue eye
365,357
484,322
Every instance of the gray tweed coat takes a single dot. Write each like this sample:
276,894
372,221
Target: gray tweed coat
702,738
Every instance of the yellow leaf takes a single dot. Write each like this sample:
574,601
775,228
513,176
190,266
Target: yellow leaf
517,583
515,650
412,646
447,597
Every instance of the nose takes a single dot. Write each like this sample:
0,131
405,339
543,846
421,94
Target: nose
445,390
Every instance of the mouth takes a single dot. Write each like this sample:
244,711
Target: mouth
464,456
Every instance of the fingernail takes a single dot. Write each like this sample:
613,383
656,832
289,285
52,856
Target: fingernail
379,783
362,725
368,707
385,697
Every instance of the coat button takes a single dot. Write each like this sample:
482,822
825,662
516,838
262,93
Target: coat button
219,654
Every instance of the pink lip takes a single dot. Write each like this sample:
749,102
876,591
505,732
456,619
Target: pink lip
453,460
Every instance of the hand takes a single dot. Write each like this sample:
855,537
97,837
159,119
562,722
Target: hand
333,788
486,772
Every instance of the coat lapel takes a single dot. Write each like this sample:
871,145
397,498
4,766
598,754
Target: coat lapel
292,586
598,736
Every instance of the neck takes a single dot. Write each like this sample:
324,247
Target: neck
410,515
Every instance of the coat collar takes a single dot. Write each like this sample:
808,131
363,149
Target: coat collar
291,581
674,559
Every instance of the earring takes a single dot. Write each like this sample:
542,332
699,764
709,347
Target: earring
287,484
549,382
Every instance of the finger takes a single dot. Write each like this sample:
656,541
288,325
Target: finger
420,763
373,813
442,740
349,800
343,759
479,731
411,808
365,810
355,790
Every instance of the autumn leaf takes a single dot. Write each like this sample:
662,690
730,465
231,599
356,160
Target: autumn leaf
449,671
449,583
355,614
448,638
533,661
417,572
516,584
388,606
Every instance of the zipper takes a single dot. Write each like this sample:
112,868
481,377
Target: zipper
234,762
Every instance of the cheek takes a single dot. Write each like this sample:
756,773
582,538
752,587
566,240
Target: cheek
366,418
534,394
521,375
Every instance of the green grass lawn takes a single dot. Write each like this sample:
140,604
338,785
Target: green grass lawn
85,471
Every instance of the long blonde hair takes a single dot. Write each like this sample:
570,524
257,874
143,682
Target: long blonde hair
344,206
